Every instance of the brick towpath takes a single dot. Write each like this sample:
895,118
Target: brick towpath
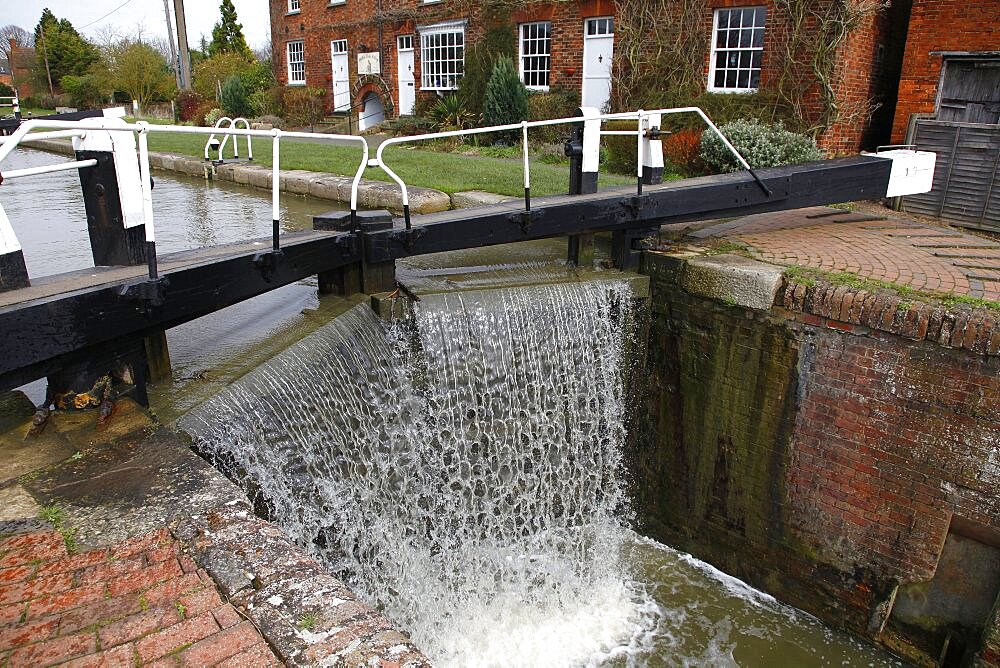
883,247
138,602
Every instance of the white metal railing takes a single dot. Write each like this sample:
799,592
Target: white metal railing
646,132
214,143
642,133
68,129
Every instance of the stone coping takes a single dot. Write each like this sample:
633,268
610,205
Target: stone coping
741,282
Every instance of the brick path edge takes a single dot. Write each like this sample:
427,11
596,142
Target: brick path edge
821,303
307,616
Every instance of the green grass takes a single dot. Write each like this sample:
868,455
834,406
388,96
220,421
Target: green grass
448,172
808,276
34,111
55,516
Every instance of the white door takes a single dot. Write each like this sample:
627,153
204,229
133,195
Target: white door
404,75
341,78
372,112
598,51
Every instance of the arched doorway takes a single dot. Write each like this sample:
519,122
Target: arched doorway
371,112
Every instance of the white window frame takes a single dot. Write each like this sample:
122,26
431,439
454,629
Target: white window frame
432,75
288,62
522,56
601,23
749,49
399,42
294,6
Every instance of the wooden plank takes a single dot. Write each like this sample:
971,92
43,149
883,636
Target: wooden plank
72,317
68,317
815,184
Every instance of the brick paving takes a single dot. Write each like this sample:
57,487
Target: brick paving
139,602
887,248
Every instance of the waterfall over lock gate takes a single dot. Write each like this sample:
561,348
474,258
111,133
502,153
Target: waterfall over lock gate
461,469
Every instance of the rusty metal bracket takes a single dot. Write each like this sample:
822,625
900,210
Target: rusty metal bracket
150,293
267,263
408,237
634,204
347,242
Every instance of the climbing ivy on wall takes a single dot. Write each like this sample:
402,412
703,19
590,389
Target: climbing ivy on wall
661,46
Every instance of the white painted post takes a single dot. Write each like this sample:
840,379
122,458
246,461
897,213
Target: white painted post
652,151
13,271
275,187
147,199
591,149
527,168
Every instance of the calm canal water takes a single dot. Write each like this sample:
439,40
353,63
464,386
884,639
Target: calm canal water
700,616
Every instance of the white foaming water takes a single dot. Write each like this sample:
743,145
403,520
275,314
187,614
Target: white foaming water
462,470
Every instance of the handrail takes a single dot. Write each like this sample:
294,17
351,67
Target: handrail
640,133
62,129
225,140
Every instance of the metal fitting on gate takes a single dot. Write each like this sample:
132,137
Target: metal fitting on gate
573,147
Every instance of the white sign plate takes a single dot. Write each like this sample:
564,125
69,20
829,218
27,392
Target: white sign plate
370,63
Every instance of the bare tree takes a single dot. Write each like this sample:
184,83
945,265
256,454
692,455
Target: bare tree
263,51
162,45
22,37
106,36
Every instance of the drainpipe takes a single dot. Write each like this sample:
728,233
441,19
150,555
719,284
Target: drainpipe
381,53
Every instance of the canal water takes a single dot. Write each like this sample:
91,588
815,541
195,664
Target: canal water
461,468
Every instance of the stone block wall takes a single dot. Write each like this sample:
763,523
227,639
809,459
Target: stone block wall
824,448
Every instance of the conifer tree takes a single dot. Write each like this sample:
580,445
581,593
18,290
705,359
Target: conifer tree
506,98
60,49
227,35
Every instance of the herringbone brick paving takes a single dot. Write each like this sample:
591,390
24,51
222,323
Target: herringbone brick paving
904,252
139,602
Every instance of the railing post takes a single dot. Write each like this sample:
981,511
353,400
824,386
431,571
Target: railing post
360,276
119,220
583,149
652,150
626,245
13,271
111,242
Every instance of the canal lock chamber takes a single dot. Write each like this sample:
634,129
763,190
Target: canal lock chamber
467,464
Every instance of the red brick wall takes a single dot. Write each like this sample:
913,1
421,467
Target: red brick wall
21,62
819,450
940,25
318,23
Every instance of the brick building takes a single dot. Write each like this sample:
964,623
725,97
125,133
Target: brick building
376,57
20,62
951,67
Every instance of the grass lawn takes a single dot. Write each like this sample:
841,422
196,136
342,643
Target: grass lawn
448,172
31,110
